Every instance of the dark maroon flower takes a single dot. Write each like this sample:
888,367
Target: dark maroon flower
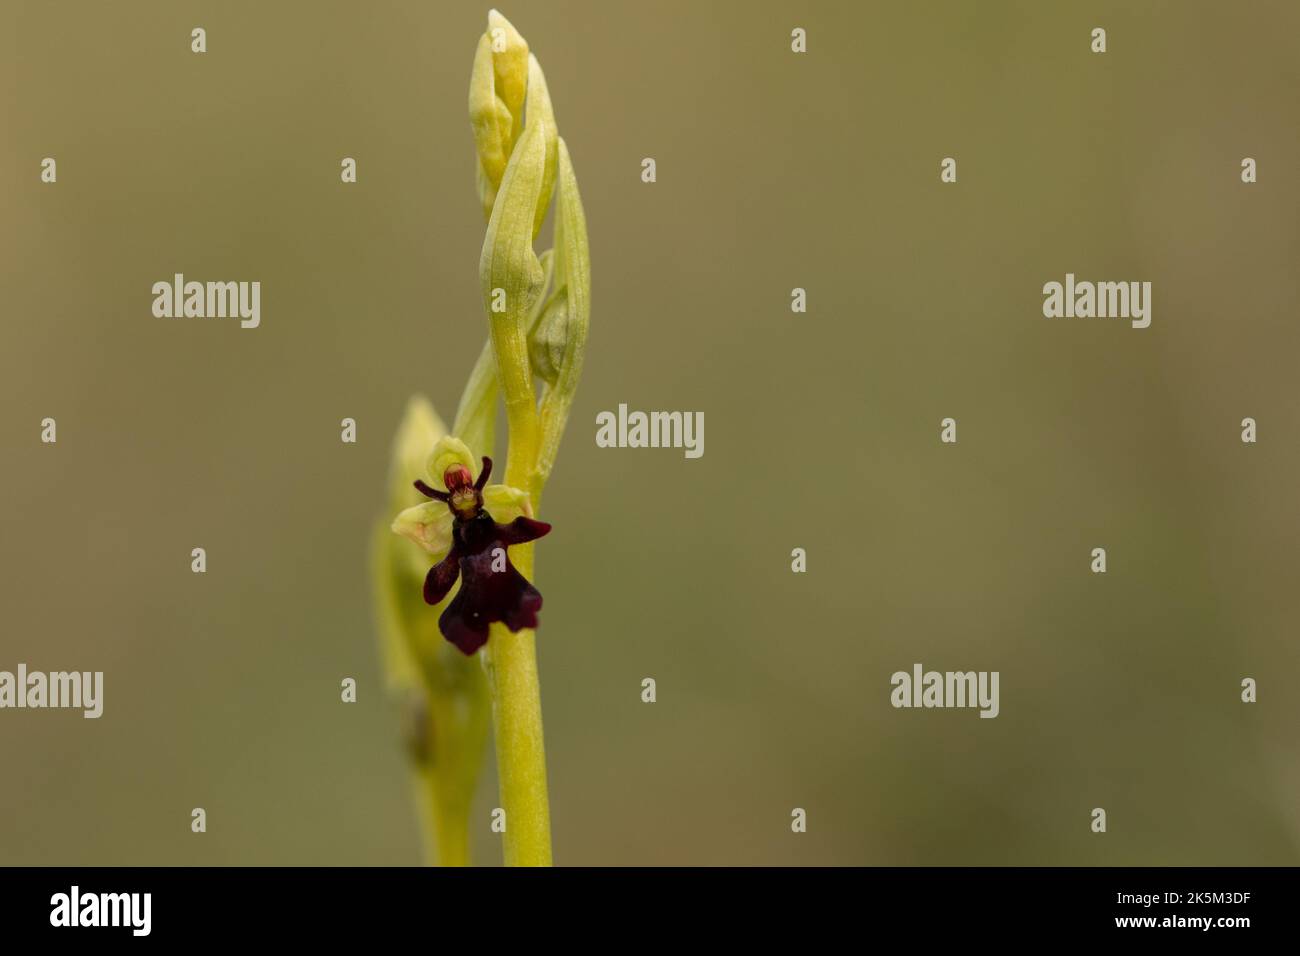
491,588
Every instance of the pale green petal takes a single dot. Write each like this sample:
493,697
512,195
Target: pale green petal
505,504
428,525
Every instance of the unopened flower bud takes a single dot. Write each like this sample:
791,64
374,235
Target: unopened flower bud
497,89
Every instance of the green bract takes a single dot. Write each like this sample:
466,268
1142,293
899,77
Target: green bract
560,340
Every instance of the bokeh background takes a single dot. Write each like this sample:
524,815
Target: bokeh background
775,170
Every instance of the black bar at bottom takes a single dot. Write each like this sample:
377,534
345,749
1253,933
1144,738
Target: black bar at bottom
332,905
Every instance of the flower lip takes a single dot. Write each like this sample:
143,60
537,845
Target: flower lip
492,589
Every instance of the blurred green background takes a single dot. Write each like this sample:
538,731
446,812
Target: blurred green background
775,170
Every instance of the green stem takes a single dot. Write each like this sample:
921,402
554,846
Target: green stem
521,754
511,658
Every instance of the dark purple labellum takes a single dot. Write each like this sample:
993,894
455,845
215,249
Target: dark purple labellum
491,589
